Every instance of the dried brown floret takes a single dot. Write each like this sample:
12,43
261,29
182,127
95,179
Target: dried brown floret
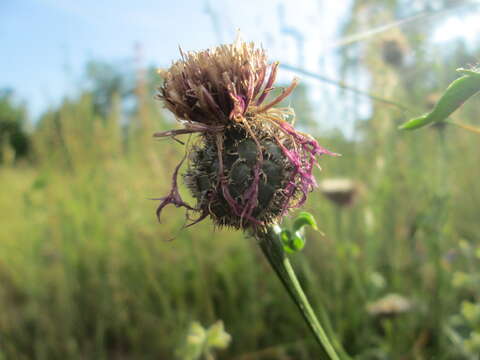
217,86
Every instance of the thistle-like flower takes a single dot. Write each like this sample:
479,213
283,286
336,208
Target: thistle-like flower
249,166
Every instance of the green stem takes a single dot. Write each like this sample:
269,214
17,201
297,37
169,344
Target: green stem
273,251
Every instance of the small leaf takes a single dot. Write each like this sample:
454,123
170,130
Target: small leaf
473,72
416,123
286,239
456,94
298,242
292,243
196,334
285,236
293,240
304,219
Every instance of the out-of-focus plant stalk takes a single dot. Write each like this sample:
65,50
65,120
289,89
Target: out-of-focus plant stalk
439,240
272,249
470,128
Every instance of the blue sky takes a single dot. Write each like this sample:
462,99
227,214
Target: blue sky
44,44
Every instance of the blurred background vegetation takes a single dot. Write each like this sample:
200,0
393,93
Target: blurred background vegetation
87,272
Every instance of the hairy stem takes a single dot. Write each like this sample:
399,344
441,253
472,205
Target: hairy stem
273,251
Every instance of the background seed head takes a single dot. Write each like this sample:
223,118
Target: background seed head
340,191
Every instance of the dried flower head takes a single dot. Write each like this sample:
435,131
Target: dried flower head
394,49
340,191
249,166
392,53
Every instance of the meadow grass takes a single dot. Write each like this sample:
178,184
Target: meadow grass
87,272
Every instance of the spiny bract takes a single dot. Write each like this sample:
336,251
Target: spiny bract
239,157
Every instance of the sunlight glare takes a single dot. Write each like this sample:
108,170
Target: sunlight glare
467,27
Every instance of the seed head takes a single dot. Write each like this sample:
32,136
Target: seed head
394,49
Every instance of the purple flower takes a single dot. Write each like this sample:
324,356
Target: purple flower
250,167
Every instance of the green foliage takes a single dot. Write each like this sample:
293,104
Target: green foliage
463,328
12,133
86,271
456,94
106,81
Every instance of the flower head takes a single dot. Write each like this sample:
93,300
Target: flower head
249,166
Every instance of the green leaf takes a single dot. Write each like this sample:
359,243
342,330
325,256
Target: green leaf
292,242
217,337
304,219
298,242
456,94
285,236
473,72
286,239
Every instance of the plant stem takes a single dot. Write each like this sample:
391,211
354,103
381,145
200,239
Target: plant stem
273,251
465,126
